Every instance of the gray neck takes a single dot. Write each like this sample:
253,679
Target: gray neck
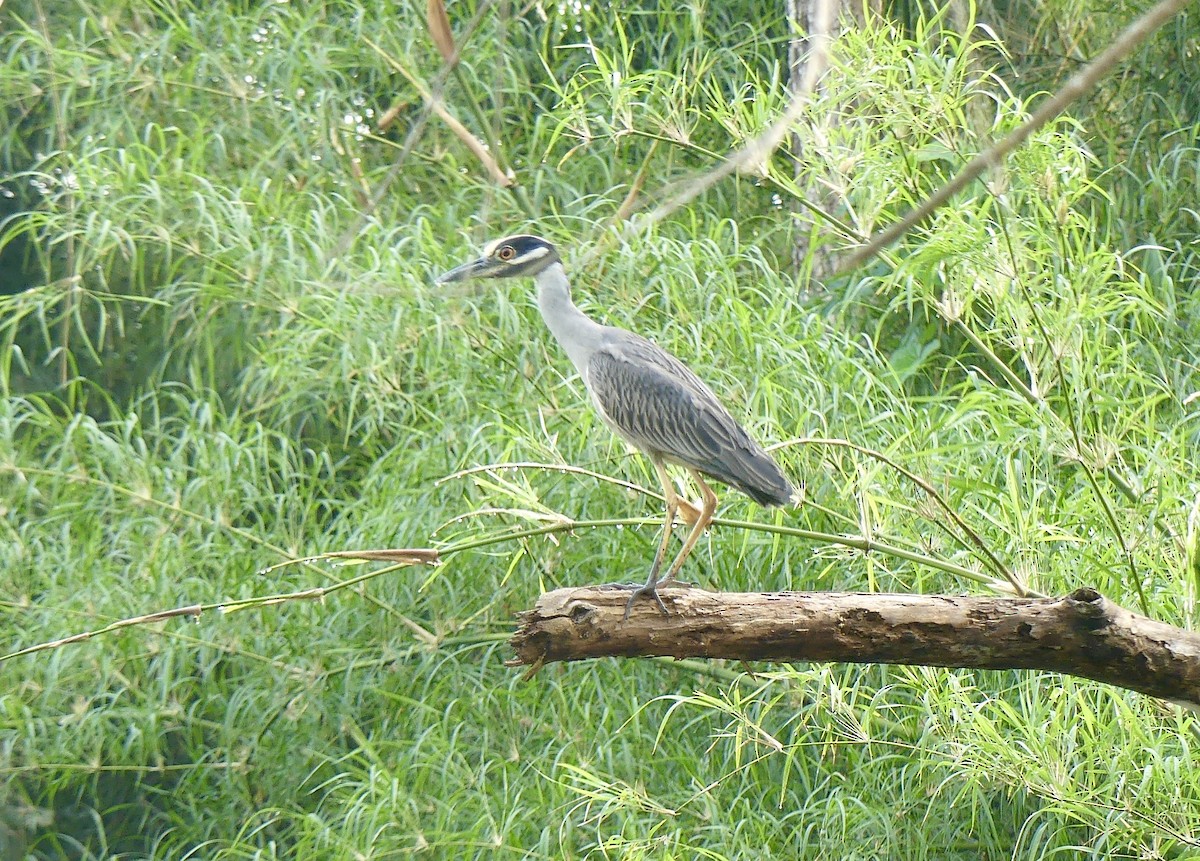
579,334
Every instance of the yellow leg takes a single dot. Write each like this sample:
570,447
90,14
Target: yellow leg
673,502
706,515
673,505
688,511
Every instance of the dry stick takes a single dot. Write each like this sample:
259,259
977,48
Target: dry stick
550,467
1082,634
73,279
440,31
399,556
474,144
1076,87
754,154
410,141
407,557
629,204
750,157
178,510
973,538
859,543
863,544
190,610
442,35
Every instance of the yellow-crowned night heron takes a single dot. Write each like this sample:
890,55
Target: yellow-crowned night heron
649,397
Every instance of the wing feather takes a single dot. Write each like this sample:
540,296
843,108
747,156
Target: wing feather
660,406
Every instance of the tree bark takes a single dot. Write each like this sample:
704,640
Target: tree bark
1082,634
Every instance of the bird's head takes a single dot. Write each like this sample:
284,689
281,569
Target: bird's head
510,257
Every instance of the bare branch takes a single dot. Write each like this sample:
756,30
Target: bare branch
399,558
1082,634
438,23
755,154
434,102
192,610
1076,87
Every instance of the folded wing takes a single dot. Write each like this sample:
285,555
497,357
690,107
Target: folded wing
656,403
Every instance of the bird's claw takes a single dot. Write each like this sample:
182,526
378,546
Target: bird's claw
645,589
640,589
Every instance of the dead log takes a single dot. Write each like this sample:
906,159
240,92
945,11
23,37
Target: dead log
1082,634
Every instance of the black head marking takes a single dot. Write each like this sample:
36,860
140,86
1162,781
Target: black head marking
510,257
523,253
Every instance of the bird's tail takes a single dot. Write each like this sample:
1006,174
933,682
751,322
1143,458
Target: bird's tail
756,474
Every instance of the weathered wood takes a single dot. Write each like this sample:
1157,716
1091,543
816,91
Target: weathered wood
1082,634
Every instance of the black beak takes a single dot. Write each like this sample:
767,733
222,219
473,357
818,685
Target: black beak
480,268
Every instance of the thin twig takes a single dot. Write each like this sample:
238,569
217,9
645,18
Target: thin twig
973,537
147,499
435,104
1073,89
189,610
629,204
754,155
860,543
402,556
424,556
551,467
1073,426
410,141
195,610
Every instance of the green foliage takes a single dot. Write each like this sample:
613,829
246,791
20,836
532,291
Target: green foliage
226,359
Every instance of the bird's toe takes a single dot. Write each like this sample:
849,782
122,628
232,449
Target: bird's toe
647,589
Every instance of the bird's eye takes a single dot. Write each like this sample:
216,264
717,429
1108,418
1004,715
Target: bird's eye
507,253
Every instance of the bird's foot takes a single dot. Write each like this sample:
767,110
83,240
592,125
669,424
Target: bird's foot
645,589
626,587
638,590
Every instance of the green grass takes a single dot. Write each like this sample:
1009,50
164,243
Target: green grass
223,364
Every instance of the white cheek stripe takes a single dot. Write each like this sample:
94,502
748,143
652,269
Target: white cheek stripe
532,254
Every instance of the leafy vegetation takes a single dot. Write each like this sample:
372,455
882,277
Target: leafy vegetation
222,351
